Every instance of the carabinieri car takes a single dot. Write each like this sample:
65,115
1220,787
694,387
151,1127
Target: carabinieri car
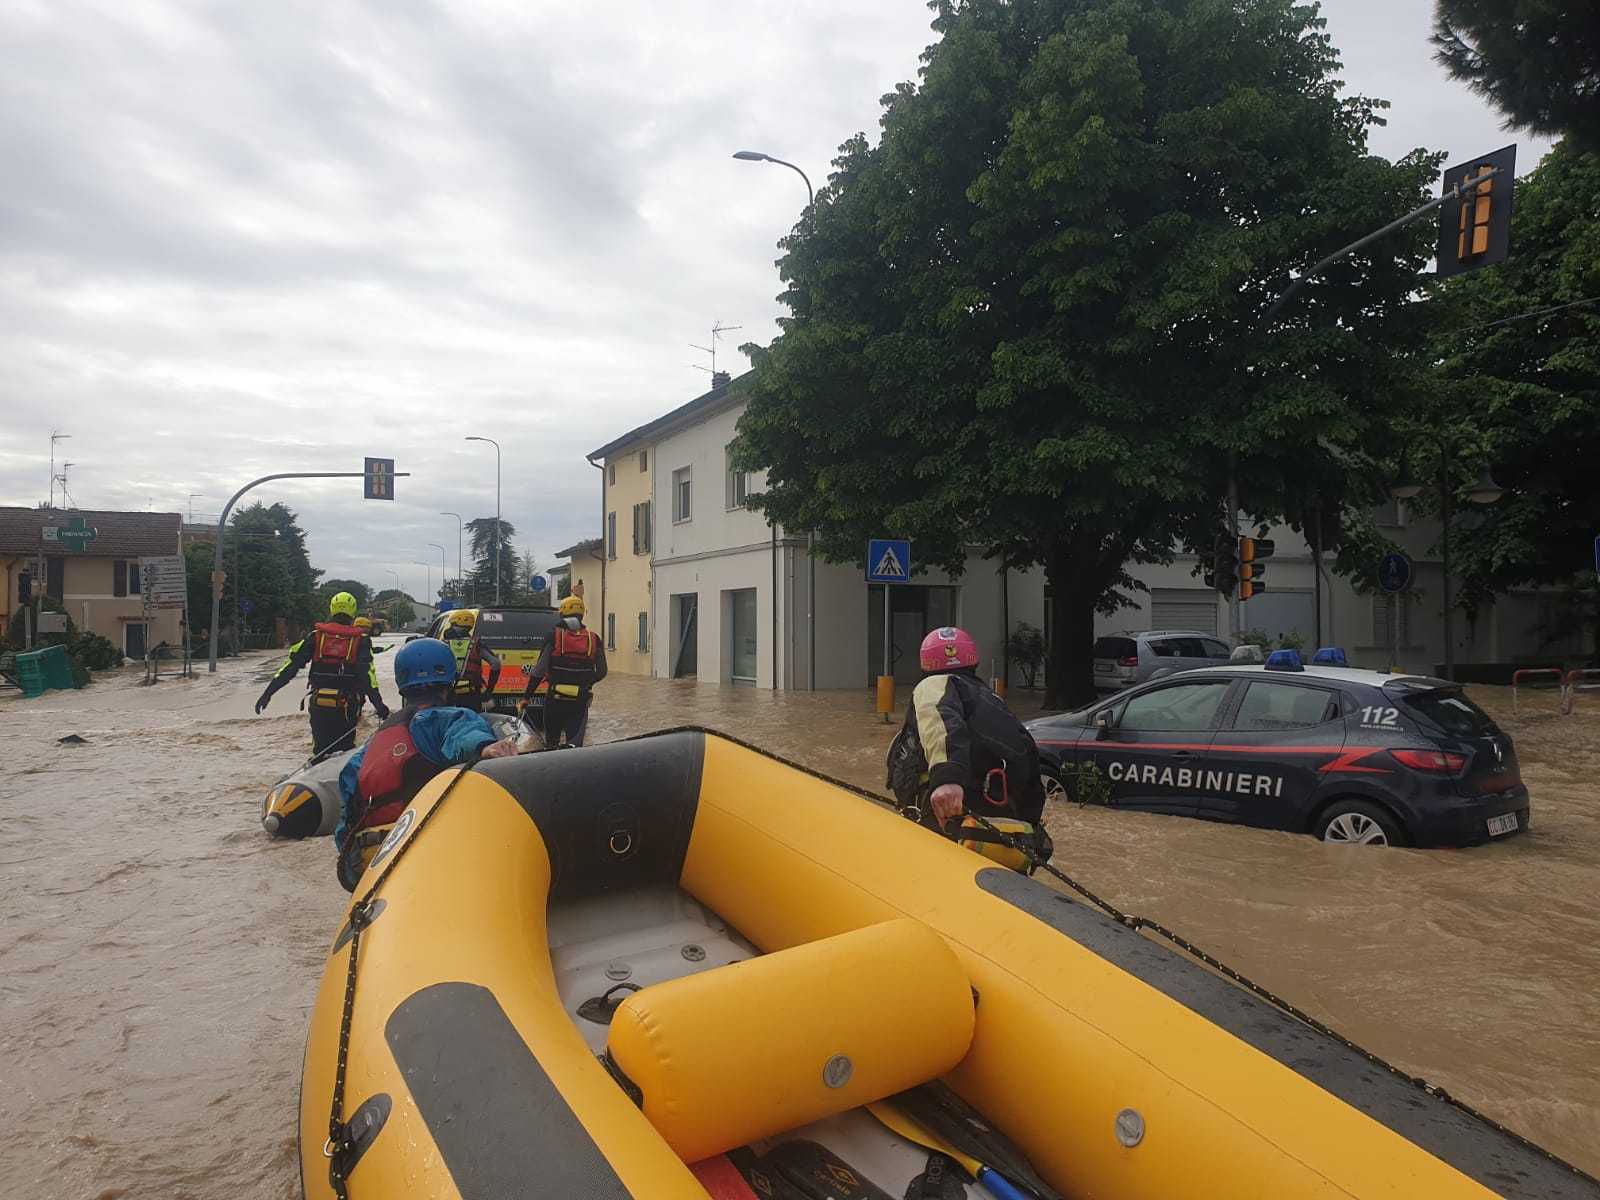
1346,755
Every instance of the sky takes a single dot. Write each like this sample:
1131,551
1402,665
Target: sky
239,239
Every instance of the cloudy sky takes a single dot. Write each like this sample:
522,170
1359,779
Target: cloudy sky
238,238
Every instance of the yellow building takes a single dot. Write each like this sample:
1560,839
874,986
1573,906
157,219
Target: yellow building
89,561
623,615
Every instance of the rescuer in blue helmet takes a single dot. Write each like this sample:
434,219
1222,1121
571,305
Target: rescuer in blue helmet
425,737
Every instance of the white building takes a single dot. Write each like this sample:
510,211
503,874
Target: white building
728,598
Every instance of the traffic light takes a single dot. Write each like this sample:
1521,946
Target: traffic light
1224,572
1475,226
379,481
1251,568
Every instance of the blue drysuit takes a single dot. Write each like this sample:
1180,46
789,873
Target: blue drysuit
444,734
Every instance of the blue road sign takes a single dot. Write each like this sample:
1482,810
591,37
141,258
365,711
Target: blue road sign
888,561
247,607
1394,572
538,583
445,605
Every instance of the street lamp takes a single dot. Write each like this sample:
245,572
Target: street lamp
457,516
395,598
757,156
429,593
1484,491
811,538
496,445
443,566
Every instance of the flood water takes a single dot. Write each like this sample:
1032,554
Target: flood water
159,953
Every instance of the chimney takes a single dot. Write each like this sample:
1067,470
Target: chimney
720,379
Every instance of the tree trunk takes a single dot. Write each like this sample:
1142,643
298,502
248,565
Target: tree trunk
1075,588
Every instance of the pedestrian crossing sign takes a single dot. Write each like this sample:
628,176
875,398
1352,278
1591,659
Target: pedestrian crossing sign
888,561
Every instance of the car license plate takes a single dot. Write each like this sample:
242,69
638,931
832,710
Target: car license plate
1505,823
1103,668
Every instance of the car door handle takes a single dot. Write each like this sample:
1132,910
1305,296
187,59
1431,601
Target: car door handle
1185,754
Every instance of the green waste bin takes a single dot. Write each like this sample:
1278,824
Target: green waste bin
57,667
31,673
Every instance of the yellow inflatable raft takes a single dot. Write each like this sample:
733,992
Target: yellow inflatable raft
677,968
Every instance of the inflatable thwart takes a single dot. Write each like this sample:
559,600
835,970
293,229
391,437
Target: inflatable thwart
675,967
305,803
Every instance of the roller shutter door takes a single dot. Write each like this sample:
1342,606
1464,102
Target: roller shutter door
1184,608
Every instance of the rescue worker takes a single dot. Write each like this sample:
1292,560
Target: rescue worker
961,749
339,657
573,661
472,657
426,736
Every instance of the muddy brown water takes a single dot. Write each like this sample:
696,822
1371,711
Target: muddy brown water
159,953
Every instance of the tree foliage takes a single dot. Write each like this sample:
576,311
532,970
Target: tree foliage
1523,395
397,606
482,576
1029,319
1537,62
329,588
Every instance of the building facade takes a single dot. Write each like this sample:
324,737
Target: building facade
89,562
699,586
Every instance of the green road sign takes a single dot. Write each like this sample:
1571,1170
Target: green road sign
75,535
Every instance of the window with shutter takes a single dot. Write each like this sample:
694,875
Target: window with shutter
636,529
119,578
644,631
135,587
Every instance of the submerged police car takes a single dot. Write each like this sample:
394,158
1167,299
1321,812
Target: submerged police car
1344,754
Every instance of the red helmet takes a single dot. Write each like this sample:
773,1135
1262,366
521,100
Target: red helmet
948,649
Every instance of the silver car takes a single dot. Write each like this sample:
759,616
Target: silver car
1123,660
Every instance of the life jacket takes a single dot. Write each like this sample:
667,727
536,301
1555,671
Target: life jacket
572,661
392,772
334,651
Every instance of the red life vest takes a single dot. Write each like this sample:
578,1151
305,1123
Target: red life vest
572,657
334,648
392,771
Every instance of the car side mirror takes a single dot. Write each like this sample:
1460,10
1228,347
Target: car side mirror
1102,723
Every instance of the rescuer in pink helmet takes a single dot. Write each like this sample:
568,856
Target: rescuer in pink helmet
961,748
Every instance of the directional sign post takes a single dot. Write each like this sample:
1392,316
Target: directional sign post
888,563
1394,575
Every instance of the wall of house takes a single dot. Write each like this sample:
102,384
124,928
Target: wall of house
627,583
710,578
87,595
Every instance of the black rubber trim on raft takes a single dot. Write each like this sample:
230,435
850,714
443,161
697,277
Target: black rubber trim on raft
613,817
1477,1150
502,1127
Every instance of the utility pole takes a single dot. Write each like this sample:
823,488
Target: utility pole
1234,621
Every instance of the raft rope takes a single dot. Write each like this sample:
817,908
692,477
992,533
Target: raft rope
361,915
1137,923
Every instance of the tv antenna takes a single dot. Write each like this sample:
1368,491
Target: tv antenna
717,329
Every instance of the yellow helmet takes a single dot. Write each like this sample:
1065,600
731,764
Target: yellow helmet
364,622
342,603
573,606
464,617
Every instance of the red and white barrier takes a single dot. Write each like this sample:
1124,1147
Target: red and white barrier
1527,675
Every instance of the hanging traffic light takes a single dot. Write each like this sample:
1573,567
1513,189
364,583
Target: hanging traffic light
1475,224
1251,568
1224,572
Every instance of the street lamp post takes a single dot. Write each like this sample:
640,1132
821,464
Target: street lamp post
497,533
396,597
429,568
444,567
459,584
811,538
1484,491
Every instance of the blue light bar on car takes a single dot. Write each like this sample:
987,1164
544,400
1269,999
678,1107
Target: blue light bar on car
1285,660
1330,656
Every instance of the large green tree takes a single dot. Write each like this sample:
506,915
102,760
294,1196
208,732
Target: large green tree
1537,61
267,566
1519,389
481,577
1030,319
397,606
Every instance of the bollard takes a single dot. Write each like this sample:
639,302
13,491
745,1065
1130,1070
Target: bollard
886,696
